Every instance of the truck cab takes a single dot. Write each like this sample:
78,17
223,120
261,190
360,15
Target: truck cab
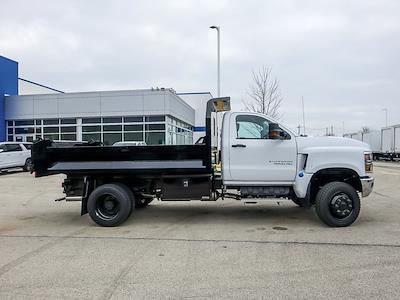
262,158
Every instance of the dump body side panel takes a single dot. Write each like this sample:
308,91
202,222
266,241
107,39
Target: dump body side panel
49,158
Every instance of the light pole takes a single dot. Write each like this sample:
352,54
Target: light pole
218,58
386,116
304,118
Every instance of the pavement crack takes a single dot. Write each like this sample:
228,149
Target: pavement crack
56,239
381,245
382,195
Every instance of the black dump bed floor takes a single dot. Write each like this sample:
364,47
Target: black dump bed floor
51,158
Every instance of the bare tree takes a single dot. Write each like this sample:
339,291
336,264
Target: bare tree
264,93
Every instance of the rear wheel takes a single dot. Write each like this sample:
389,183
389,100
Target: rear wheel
337,204
110,204
28,165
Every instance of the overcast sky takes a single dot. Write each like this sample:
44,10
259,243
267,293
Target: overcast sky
343,57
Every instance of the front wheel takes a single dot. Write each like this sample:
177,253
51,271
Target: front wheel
337,204
110,204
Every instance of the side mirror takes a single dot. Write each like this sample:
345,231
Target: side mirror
285,135
275,132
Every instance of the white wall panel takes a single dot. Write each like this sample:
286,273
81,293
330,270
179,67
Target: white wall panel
108,103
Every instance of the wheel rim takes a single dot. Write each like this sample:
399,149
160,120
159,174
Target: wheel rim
341,205
107,207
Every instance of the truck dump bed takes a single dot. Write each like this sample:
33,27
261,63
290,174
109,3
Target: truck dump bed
83,158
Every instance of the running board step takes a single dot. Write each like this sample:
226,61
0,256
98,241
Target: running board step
264,191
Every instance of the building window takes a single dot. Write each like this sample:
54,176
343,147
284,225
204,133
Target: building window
23,122
51,130
68,129
155,138
112,127
91,120
155,119
68,121
95,128
111,138
133,127
133,119
68,137
154,130
51,122
52,137
179,132
112,120
91,137
133,136
155,126
24,130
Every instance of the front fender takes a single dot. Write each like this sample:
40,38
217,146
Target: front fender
335,157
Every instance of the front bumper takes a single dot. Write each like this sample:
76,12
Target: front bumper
367,185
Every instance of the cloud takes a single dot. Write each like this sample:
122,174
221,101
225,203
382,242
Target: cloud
341,56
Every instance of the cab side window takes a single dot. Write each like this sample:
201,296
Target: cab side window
252,127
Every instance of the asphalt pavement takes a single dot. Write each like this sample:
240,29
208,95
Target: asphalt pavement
174,250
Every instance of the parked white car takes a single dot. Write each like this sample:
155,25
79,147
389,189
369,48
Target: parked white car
133,143
15,155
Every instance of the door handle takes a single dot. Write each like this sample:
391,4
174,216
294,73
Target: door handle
239,146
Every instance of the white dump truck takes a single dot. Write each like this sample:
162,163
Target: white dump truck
256,158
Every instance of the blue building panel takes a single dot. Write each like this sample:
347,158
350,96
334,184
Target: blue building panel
8,85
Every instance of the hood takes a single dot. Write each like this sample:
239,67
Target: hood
306,142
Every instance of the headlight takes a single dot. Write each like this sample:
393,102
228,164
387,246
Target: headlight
368,162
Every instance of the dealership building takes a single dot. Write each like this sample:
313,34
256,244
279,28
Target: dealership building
29,111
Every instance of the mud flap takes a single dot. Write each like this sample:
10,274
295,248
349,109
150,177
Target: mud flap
306,201
88,187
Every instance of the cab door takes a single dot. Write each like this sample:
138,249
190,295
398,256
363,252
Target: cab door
254,158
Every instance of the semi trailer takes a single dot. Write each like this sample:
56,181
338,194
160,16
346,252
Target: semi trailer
255,157
384,143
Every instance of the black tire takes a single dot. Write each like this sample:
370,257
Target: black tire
337,204
28,165
142,202
110,204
